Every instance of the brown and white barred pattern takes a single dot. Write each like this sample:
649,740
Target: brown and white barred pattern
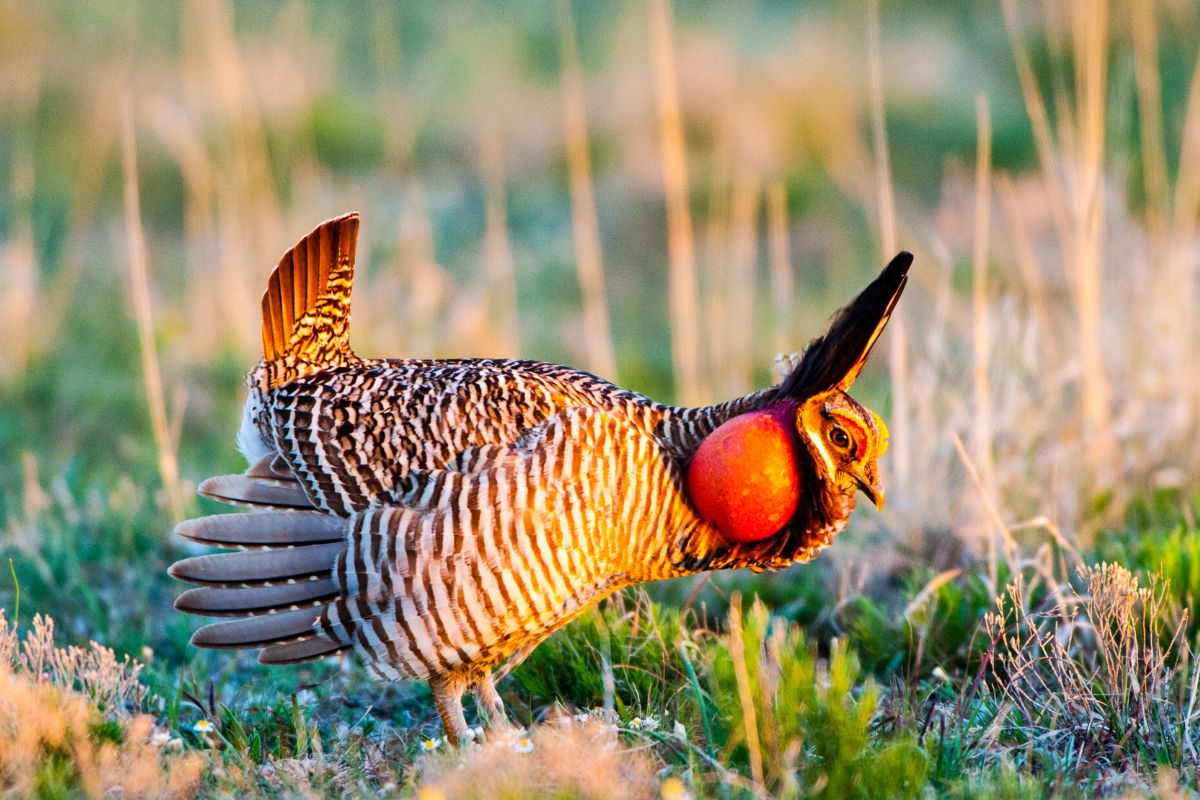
471,566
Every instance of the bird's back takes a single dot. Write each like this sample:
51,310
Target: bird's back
350,433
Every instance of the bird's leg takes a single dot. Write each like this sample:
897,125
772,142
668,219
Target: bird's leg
489,702
447,696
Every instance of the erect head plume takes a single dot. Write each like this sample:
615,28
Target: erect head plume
781,479
834,359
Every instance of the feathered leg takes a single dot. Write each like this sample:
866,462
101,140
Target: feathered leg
488,700
447,695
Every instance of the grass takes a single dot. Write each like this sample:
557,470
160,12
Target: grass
669,193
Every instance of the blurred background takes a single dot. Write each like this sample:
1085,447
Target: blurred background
667,194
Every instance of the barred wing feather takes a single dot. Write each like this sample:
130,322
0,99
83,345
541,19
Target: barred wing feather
463,566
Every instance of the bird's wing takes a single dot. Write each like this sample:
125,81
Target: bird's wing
463,566
349,435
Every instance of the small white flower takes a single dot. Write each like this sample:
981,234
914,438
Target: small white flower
429,745
679,732
636,723
523,745
650,724
203,726
582,717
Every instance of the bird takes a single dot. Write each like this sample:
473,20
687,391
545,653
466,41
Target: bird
442,517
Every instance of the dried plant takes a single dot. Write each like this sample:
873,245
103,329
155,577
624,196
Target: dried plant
66,726
560,758
1103,678
110,685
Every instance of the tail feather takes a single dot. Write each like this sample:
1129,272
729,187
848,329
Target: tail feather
212,601
257,529
306,307
259,631
303,650
240,490
258,567
274,590
268,483
295,590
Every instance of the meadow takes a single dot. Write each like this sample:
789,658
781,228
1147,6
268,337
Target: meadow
669,195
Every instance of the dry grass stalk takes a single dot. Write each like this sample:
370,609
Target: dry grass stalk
1011,551
1180,259
139,282
1101,676
500,280
1029,269
1078,208
979,293
684,303
600,356
714,265
783,290
19,273
1143,25
737,652
249,221
1090,25
899,421
740,286
1039,118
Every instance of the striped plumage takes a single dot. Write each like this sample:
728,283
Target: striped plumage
442,517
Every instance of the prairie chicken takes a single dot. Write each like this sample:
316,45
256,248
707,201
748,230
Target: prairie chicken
443,517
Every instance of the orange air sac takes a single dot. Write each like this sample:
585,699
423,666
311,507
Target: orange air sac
743,477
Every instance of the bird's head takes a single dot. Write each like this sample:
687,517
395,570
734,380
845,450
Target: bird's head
782,479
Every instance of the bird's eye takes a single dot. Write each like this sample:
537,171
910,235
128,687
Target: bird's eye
839,437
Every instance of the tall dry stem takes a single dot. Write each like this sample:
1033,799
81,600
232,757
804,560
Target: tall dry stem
1090,24
139,286
783,290
601,358
740,286
500,279
684,302
737,652
900,454
982,344
19,300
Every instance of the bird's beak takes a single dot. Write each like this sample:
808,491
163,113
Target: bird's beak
872,489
